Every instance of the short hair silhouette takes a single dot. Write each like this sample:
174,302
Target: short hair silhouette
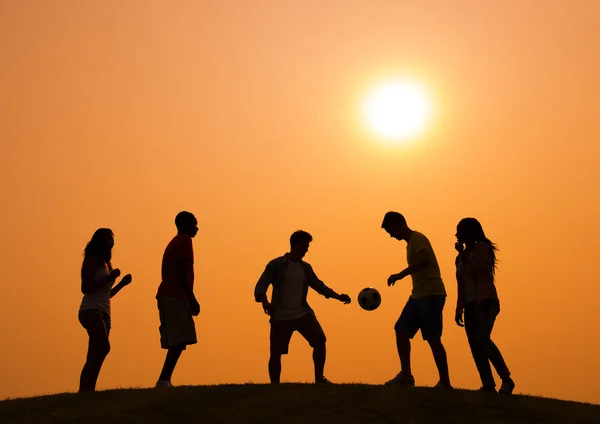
392,218
185,220
300,236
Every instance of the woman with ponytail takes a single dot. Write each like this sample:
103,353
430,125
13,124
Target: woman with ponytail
98,287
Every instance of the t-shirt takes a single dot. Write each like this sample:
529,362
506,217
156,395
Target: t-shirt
180,248
427,282
291,294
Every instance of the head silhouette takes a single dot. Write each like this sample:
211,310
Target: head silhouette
395,225
469,231
299,244
100,246
186,223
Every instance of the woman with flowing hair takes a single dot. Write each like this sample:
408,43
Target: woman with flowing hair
478,300
98,287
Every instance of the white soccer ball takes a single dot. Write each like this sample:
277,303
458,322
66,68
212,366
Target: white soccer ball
369,299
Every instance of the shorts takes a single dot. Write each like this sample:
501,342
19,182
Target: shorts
87,316
177,328
423,314
307,325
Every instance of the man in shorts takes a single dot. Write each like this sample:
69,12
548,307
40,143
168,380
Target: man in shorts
291,278
177,303
424,308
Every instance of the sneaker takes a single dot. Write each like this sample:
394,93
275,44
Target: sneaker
488,389
322,380
162,384
402,380
441,385
507,387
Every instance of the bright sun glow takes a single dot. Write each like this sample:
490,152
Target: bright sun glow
397,110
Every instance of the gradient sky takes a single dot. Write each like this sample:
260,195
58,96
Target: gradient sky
248,113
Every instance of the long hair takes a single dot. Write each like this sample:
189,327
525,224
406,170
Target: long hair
96,247
474,231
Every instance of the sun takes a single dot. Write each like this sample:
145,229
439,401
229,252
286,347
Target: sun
397,110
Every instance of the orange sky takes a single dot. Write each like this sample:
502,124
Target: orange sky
121,114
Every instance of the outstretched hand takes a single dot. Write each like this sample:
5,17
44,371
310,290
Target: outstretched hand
345,299
395,277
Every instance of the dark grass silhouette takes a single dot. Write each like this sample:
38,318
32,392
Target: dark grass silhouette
293,403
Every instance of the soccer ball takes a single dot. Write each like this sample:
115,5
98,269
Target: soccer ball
369,299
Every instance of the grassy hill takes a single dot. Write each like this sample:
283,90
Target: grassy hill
293,403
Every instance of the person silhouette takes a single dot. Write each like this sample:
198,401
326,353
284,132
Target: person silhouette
291,277
177,304
97,285
424,308
478,300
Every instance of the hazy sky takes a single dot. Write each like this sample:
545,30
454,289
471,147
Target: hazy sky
248,114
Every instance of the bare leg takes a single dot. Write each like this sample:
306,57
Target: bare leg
171,359
275,368
98,348
441,361
319,355
403,346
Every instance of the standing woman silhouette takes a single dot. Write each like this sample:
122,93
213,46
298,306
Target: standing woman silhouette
478,299
98,286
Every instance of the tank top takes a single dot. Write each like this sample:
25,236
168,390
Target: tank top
99,299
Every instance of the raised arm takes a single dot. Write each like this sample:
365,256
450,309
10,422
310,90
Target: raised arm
88,272
125,281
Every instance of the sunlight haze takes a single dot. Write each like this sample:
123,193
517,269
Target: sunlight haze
397,110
